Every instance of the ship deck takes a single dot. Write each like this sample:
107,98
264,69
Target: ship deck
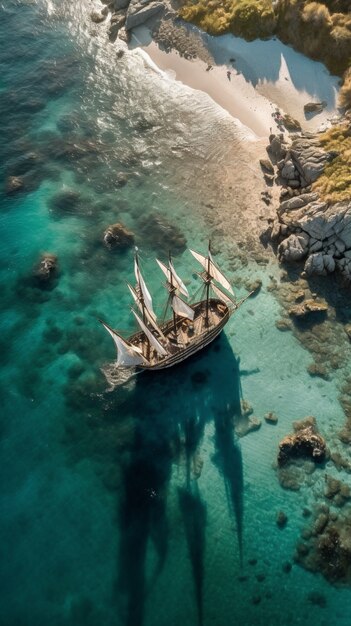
190,336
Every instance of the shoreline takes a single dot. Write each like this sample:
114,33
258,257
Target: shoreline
248,92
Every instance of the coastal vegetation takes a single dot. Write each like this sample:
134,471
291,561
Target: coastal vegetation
335,183
321,30
244,18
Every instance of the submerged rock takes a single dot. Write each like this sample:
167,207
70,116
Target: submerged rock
281,519
117,236
318,369
317,598
308,307
162,234
13,184
66,201
329,548
46,268
271,418
306,442
246,425
283,325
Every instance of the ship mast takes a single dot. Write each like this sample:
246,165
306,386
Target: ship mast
212,273
140,293
208,281
172,291
175,286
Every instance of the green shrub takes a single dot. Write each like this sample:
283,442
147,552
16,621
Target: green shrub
345,91
316,14
245,18
335,183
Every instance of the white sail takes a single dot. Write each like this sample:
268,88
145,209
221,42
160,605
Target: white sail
154,342
221,295
181,308
218,276
208,264
173,278
146,312
178,281
144,290
201,258
127,354
165,270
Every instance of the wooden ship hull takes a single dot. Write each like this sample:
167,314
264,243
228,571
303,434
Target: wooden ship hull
188,338
159,345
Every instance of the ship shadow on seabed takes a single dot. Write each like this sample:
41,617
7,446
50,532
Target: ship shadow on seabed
171,409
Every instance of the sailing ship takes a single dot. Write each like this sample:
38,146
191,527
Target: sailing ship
158,345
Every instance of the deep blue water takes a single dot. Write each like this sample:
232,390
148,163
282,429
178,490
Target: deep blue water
138,506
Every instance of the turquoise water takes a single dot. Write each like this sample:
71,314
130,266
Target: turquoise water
138,506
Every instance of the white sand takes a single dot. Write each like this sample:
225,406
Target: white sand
264,75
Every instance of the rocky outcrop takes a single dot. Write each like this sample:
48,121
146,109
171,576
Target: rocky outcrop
139,11
128,14
294,247
46,269
305,442
308,228
308,307
320,233
117,236
328,545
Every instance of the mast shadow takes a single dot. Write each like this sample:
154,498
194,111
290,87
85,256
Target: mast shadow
194,514
226,396
170,410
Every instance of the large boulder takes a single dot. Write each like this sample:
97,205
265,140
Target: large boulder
288,171
139,11
305,442
294,248
117,236
277,147
314,107
315,264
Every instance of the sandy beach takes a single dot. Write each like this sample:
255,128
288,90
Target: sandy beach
251,80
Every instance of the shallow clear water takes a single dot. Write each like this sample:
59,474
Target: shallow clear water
103,520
